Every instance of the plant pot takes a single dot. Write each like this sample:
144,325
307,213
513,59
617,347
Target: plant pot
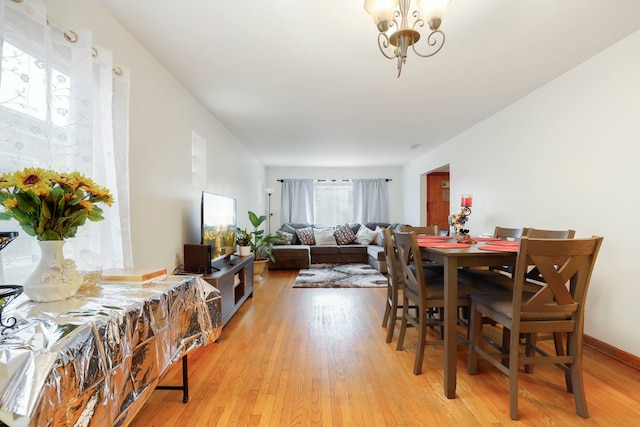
244,250
54,278
258,268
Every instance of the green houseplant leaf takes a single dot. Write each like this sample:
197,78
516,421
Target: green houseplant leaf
262,244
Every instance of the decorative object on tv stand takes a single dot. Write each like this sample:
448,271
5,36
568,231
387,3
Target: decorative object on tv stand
243,239
261,246
457,221
394,38
51,206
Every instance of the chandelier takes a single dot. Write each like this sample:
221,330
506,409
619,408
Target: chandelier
394,38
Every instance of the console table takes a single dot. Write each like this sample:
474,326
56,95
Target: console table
233,277
95,358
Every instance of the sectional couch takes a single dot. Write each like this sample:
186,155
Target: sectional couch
307,244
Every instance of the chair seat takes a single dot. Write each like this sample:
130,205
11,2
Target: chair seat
493,280
435,290
501,303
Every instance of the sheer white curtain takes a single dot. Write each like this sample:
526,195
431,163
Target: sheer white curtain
370,200
297,200
62,107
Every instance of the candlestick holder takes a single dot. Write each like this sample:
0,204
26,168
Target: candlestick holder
457,221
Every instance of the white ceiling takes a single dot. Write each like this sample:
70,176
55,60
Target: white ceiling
302,83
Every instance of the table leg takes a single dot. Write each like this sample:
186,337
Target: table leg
450,324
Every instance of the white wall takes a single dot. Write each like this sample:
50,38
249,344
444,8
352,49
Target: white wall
165,207
565,156
395,185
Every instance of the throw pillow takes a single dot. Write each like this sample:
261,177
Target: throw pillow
365,235
306,236
378,240
286,237
324,236
289,229
344,235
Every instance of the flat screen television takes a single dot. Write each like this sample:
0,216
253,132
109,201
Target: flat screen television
218,225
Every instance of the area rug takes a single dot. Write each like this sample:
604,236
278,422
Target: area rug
340,276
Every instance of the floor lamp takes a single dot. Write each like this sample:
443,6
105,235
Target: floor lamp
269,193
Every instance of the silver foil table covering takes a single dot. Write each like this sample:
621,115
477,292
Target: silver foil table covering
94,359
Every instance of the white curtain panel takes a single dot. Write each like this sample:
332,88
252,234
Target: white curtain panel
112,237
297,200
63,107
370,200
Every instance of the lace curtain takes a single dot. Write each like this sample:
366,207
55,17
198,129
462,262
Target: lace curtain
63,106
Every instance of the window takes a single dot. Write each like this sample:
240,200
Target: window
332,202
64,107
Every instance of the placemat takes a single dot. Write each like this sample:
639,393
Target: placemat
499,248
444,245
504,243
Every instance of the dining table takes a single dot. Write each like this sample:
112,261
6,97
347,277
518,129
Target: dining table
480,252
94,359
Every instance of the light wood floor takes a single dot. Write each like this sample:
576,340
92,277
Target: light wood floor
302,357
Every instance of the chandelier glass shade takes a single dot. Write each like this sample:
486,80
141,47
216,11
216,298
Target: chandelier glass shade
398,29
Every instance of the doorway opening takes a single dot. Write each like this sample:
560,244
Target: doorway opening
437,198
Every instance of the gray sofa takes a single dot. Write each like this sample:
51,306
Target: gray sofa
295,255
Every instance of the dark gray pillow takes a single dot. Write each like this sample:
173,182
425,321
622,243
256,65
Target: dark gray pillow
344,235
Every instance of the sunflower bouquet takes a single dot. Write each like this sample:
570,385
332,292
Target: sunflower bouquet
51,205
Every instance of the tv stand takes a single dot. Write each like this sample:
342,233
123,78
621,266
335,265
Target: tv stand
234,279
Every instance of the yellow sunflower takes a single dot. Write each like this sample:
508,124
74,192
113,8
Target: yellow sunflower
36,180
10,203
86,204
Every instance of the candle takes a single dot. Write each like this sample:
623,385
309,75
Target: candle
467,200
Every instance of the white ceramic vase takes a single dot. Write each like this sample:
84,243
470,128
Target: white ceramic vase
245,250
54,278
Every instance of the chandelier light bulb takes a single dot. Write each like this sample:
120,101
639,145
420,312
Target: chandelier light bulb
382,12
433,11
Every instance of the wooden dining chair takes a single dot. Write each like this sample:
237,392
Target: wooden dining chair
494,277
500,277
395,285
427,230
425,295
431,268
558,306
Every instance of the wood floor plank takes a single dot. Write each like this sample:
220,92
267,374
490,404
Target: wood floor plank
318,357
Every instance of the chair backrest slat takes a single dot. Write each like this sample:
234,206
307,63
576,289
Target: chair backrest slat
560,262
506,233
428,230
408,250
394,272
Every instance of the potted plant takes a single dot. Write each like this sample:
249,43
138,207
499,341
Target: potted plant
261,246
243,239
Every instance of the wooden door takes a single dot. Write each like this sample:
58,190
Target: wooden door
438,199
